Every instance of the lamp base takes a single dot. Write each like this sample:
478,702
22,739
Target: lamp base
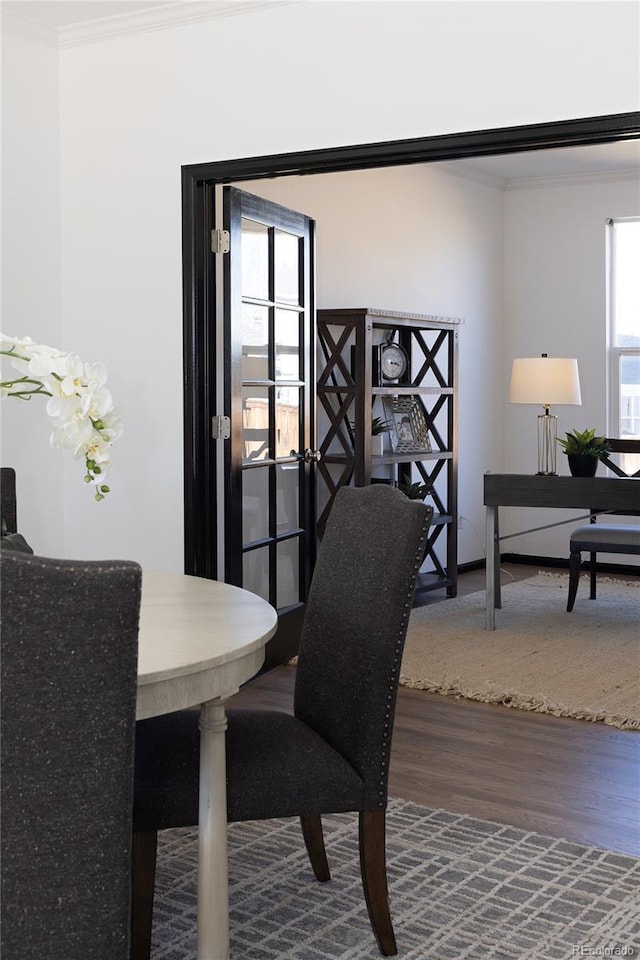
547,444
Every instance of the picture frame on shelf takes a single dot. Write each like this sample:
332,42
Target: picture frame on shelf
407,424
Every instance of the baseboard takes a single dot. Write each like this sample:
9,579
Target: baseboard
525,559
470,567
620,568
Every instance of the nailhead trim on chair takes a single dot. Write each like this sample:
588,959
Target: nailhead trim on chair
384,760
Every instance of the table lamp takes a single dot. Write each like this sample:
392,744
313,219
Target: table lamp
545,380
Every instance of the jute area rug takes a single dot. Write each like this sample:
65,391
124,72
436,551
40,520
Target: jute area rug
459,888
584,664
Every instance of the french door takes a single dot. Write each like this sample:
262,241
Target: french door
268,485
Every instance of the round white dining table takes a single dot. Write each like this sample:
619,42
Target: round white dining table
198,641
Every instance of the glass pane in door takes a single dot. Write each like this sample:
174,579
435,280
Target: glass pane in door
255,423
288,572
255,497
287,345
287,496
287,421
286,267
255,342
255,259
255,572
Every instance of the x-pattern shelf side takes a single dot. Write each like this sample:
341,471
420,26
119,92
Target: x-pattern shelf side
352,389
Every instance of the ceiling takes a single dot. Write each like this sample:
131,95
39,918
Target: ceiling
602,159
593,160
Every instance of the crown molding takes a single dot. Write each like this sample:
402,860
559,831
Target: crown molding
178,13
173,14
459,168
27,29
573,179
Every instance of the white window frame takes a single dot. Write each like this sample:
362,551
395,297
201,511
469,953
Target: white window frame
615,352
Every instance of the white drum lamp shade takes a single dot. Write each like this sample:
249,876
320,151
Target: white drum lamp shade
545,381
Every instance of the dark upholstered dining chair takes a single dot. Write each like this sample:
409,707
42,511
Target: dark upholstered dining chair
10,539
332,754
598,537
68,675
8,507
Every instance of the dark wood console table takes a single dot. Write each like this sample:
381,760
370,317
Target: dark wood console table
611,494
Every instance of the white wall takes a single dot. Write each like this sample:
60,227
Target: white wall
420,240
31,274
555,302
290,78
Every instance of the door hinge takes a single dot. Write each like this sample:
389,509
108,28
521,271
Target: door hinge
220,241
220,428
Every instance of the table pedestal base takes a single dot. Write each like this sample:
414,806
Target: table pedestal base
213,892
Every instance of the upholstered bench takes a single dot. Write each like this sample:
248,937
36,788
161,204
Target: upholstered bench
598,538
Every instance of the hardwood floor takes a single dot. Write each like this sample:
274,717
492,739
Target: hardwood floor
552,775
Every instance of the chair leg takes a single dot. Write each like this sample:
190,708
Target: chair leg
143,877
314,842
374,878
592,576
574,577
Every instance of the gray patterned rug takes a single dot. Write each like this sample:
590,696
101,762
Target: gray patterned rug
460,888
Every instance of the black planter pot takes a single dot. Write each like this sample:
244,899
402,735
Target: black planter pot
582,466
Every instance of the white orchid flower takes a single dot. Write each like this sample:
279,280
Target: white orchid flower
97,450
79,402
112,426
65,407
51,363
22,345
95,375
97,403
71,434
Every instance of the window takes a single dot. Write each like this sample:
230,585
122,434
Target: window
623,415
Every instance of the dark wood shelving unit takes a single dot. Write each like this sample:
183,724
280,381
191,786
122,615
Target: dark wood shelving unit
352,391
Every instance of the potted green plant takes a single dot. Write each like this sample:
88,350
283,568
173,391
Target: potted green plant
378,429
584,449
415,490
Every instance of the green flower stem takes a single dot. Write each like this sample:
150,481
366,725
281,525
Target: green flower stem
12,353
24,394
